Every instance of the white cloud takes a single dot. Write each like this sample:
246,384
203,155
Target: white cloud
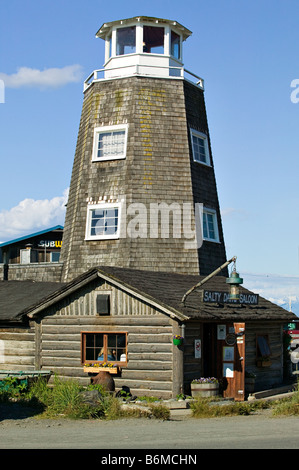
32,215
48,78
281,290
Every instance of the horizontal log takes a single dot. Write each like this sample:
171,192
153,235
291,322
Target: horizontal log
133,328
150,338
16,351
53,362
22,336
143,384
63,345
21,345
140,321
144,375
143,356
149,347
61,353
144,365
18,360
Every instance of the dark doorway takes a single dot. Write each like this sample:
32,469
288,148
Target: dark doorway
209,350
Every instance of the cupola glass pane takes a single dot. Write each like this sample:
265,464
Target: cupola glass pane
153,39
175,45
126,40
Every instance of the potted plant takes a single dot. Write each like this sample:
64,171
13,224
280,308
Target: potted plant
205,387
177,340
95,367
249,381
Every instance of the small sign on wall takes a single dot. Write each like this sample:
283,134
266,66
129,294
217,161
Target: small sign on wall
228,370
197,348
221,331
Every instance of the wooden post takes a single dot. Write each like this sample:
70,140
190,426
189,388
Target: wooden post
177,363
38,344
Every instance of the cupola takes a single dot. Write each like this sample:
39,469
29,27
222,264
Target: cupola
143,46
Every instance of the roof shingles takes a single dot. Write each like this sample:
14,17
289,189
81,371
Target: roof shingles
20,298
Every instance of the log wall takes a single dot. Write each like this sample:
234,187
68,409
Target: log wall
18,348
265,376
150,349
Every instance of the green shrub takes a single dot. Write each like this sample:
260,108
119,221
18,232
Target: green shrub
160,411
202,408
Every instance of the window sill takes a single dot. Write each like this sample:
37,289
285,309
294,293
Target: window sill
202,163
109,159
95,370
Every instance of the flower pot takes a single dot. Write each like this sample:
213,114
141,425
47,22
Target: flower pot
205,390
177,341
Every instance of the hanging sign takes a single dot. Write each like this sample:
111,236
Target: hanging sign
197,349
210,296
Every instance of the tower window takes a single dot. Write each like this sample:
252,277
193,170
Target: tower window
110,143
103,221
209,225
175,45
200,148
126,40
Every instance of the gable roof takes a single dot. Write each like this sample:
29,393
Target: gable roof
163,290
16,297
168,289
16,240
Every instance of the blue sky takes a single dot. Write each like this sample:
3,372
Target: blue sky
247,53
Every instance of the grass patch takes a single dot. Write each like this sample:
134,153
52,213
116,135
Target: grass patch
69,399
288,406
202,408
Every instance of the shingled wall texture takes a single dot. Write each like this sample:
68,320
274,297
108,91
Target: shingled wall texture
157,169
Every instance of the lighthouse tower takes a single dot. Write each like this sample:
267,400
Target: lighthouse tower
143,192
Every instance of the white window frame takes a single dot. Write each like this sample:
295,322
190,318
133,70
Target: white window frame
104,206
213,213
107,129
196,133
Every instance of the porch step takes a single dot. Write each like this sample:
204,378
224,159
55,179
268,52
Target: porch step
274,391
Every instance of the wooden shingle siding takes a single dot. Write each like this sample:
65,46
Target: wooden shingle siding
156,169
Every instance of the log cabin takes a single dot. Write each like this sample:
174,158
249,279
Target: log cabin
135,315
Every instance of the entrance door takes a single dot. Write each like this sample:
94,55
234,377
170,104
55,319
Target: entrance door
231,359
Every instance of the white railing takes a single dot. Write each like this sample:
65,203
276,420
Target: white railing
137,69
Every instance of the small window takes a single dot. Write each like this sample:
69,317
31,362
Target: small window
263,348
54,256
103,304
153,39
200,147
209,225
126,40
103,221
110,143
104,347
175,49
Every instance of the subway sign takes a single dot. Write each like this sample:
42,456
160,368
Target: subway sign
210,296
50,243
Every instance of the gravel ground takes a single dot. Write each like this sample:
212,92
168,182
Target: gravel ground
20,429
